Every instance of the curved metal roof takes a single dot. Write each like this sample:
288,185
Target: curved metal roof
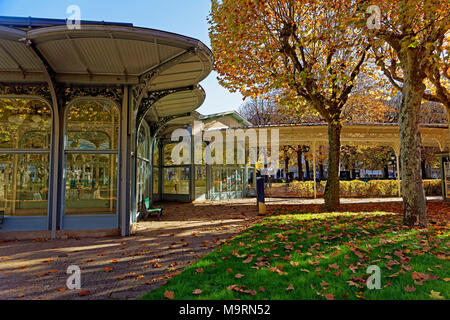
104,54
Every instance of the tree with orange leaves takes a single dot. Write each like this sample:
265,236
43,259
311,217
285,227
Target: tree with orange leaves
409,40
301,48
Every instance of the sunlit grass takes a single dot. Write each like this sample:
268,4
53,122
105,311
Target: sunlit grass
321,256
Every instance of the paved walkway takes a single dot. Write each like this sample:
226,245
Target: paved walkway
127,268
115,267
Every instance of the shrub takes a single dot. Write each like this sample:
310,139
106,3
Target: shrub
356,188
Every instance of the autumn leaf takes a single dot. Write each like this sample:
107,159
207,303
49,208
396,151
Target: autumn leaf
239,276
139,277
199,270
128,275
436,295
248,260
410,289
83,293
197,291
329,296
169,294
108,269
114,261
290,287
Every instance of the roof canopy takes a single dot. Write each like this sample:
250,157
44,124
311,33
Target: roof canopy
104,53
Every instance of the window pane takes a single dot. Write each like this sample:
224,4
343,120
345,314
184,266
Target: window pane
91,184
142,180
18,118
92,125
200,181
168,154
176,180
24,184
155,180
225,180
143,144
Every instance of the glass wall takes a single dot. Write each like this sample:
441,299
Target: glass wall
91,151
155,176
143,164
200,181
176,177
227,182
25,137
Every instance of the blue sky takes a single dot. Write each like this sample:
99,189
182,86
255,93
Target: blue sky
187,17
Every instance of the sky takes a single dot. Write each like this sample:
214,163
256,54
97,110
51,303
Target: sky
186,17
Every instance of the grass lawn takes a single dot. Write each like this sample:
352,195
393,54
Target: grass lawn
321,256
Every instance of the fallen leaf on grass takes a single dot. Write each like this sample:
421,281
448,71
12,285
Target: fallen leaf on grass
329,296
197,291
290,287
436,295
168,294
248,260
239,276
199,270
410,289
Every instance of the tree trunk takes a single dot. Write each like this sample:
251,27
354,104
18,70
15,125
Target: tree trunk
321,171
307,170
331,195
299,163
424,169
286,169
414,201
386,172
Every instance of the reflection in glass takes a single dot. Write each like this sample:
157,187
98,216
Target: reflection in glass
92,125
24,184
155,180
25,124
143,165
224,180
91,178
91,183
176,180
200,181
18,117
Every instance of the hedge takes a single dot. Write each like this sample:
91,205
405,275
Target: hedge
354,188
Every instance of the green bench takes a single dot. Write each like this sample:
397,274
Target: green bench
147,210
